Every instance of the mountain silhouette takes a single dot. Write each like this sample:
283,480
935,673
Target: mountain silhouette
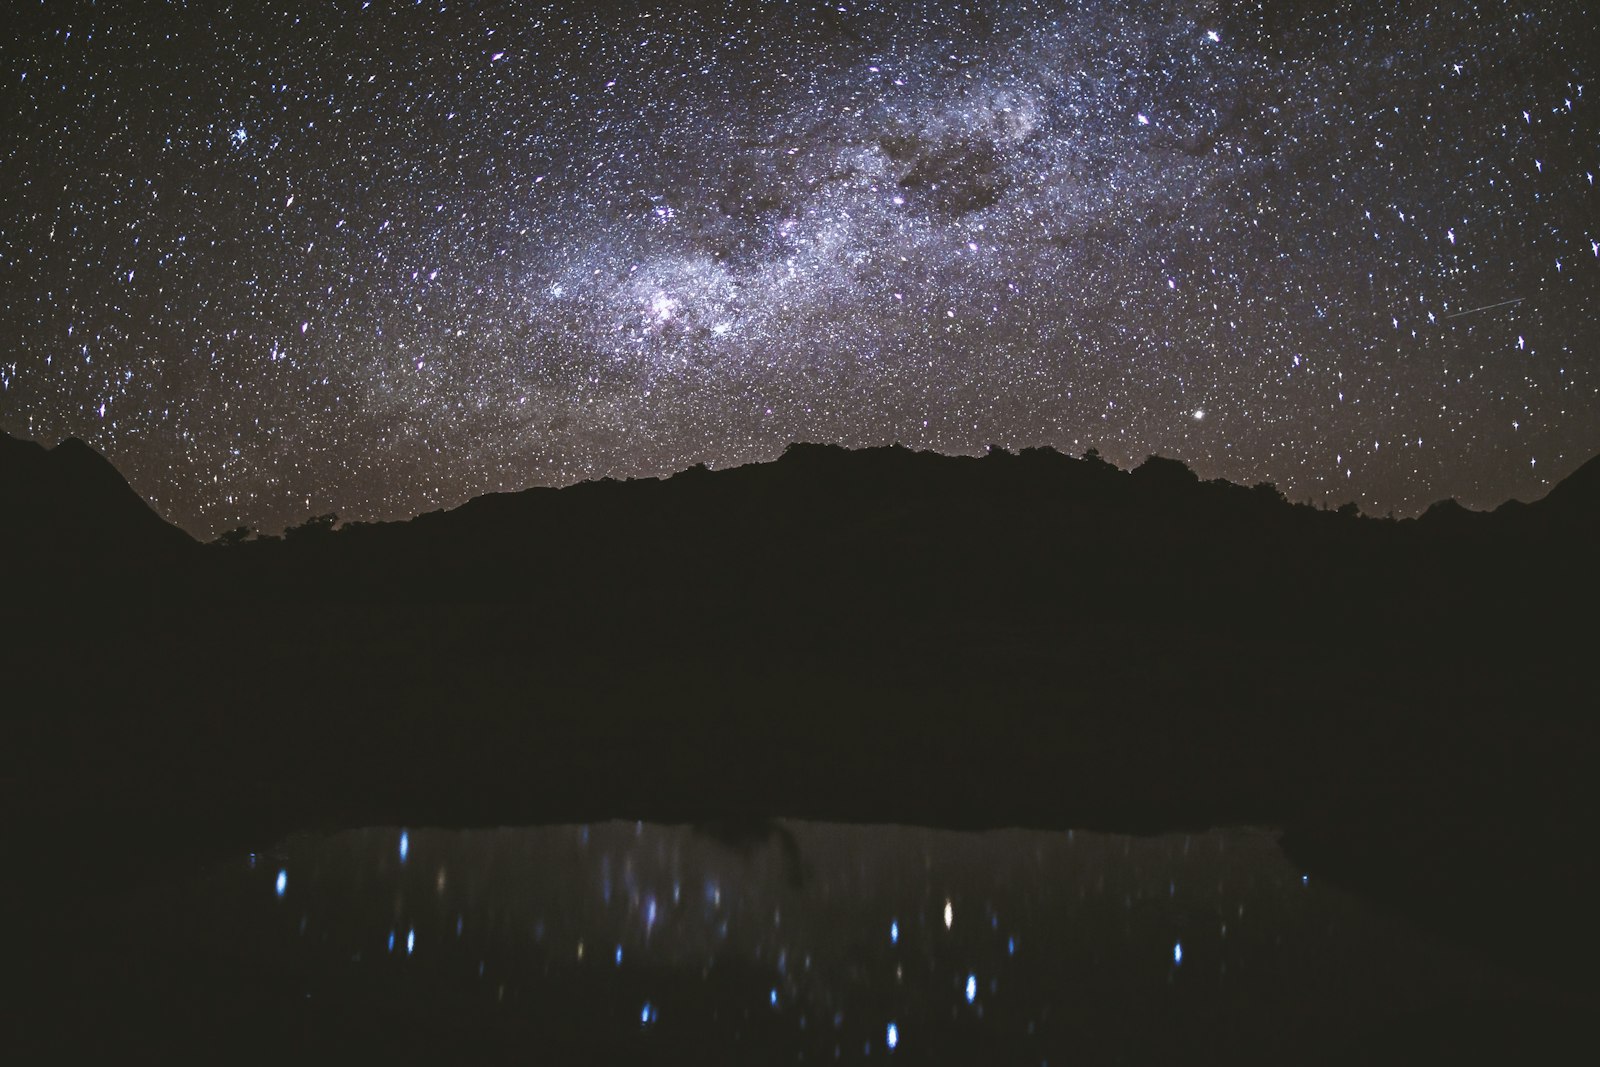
1576,498
67,508
878,634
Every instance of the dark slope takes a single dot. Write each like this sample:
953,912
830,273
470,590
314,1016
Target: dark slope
67,516
878,635
1576,499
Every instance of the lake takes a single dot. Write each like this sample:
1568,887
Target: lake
764,942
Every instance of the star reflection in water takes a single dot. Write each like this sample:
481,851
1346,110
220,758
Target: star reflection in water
772,936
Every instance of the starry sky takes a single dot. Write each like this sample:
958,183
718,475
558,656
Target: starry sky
379,258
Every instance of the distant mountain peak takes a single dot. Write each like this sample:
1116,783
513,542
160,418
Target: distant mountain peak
1578,492
71,502
1161,471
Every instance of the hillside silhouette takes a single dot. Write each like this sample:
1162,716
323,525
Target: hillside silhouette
67,511
878,634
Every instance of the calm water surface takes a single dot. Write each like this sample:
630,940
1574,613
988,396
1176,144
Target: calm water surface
779,942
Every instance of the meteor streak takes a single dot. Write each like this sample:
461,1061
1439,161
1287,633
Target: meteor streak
1486,307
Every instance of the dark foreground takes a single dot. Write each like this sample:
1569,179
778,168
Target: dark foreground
1026,641
763,942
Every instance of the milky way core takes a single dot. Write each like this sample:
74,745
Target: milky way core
381,258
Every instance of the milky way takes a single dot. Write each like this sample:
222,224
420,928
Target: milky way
379,259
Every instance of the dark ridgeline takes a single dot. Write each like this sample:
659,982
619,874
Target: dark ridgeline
877,634
66,512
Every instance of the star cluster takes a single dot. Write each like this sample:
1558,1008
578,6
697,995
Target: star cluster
380,258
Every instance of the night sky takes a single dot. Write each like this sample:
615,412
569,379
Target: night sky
378,258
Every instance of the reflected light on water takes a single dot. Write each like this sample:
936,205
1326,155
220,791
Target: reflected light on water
512,925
